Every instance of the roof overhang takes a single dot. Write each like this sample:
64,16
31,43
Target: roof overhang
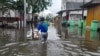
92,3
60,12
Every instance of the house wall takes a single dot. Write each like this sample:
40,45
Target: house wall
73,4
8,13
64,3
93,14
76,15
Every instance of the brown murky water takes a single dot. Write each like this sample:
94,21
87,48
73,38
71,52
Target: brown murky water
75,42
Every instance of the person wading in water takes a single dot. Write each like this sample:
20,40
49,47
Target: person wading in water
43,28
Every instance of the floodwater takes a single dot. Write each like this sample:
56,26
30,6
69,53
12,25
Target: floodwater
74,42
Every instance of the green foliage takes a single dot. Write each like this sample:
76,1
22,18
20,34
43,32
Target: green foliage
35,5
49,17
18,5
4,5
39,5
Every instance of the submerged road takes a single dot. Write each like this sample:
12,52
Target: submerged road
75,43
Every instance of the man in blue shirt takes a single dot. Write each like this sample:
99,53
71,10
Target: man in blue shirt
43,27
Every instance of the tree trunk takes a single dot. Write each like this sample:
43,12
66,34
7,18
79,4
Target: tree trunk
32,26
2,14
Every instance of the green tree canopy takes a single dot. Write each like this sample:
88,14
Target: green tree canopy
35,5
4,5
39,5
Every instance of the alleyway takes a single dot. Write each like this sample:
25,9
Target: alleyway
73,45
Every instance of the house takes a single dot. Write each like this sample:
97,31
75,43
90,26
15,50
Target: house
70,9
16,14
93,13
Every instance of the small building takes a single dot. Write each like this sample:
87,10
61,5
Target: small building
93,12
71,9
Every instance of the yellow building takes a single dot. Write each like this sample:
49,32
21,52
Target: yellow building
93,12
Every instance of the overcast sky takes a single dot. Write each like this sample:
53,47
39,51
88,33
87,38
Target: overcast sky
56,6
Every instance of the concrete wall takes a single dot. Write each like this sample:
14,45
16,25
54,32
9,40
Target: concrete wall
73,4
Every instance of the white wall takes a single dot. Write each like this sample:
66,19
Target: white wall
64,14
79,12
9,13
12,13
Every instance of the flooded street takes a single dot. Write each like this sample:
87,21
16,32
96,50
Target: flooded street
75,42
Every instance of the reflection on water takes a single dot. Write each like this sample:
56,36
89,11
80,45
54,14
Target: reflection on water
93,36
91,41
13,41
64,32
71,29
10,38
89,38
10,35
81,31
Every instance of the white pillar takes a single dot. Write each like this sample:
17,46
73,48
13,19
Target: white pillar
24,13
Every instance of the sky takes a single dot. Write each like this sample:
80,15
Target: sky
56,6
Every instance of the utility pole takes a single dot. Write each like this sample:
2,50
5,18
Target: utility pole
83,10
24,13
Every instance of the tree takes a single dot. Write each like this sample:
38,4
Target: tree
35,5
38,5
4,5
17,5
49,17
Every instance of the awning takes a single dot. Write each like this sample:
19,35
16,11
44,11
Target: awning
60,12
